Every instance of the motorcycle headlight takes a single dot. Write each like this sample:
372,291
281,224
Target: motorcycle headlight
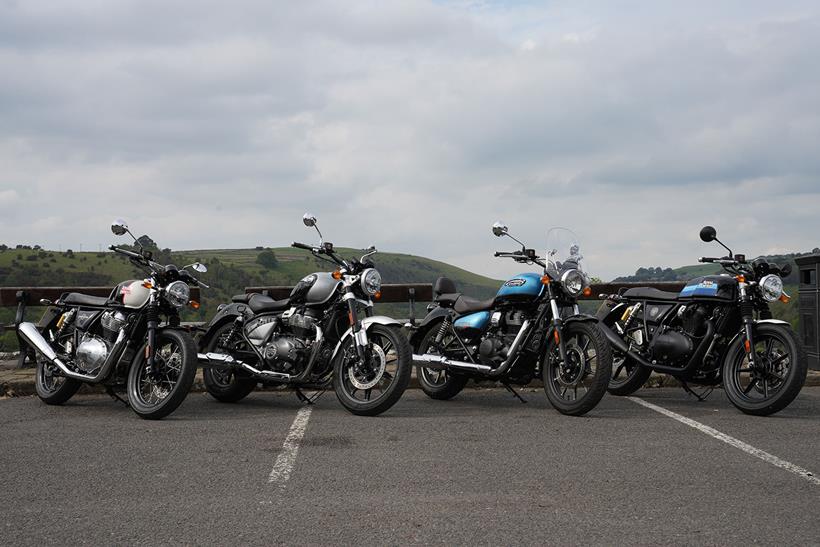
178,293
771,287
371,281
574,282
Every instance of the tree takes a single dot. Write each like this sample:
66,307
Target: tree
267,259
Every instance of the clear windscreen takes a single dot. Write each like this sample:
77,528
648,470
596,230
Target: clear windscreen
563,250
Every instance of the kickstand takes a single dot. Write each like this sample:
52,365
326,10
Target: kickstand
699,396
308,400
514,392
113,395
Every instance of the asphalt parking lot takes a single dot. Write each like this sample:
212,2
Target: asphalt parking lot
481,469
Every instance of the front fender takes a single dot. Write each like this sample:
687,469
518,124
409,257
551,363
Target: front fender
581,318
367,322
742,332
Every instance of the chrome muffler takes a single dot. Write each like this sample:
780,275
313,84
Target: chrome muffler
439,362
223,360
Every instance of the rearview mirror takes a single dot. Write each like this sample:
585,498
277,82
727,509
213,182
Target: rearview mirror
309,220
785,270
500,229
199,267
119,227
708,234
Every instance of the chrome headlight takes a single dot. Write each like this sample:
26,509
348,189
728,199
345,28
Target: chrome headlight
771,287
371,281
178,293
574,282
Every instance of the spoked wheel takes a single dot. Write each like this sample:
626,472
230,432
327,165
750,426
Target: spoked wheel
224,384
155,392
369,386
627,375
775,378
438,384
52,388
574,387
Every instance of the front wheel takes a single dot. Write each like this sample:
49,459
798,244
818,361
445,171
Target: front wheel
574,387
369,386
776,376
154,392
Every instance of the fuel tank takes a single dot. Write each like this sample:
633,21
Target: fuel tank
523,288
711,287
314,289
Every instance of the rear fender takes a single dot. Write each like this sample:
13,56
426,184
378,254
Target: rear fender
226,314
437,314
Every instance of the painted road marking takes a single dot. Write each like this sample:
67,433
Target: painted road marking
737,443
287,457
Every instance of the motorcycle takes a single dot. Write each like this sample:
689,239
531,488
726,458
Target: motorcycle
717,329
532,327
119,340
324,333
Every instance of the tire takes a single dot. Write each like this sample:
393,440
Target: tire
179,367
224,385
635,375
398,358
440,385
581,338
51,389
765,392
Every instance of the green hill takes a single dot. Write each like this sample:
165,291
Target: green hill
229,272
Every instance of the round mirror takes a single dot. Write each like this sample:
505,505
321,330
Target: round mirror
786,269
119,227
309,219
500,229
199,267
708,234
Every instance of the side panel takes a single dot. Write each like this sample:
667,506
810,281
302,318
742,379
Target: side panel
472,324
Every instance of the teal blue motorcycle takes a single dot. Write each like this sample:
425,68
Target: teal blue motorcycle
532,328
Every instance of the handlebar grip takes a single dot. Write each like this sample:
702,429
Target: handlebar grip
301,246
498,253
706,259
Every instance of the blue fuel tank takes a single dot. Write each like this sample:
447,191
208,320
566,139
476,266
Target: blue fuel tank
523,288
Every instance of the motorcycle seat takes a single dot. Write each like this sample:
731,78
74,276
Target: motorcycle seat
259,303
79,299
648,293
465,304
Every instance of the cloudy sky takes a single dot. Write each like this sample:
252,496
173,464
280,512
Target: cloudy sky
413,125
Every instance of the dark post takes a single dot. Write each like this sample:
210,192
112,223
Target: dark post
808,298
26,353
411,294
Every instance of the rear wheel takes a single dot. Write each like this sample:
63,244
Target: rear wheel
438,384
51,387
369,387
155,392
574,387
775,379
225,385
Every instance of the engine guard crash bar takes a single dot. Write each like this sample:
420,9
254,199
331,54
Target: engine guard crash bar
439,362
697,357
31,335
222,360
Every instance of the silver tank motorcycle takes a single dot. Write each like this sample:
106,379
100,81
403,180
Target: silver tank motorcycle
324,333
120,340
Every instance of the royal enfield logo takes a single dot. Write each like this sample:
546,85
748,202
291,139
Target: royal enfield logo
517,282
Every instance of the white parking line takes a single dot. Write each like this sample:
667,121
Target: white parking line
287,457
737,443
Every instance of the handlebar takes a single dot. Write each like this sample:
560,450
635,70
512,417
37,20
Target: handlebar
130,254
302,246
721,261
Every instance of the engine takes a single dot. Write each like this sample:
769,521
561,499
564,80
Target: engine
495,344
93,349
284,342
675,344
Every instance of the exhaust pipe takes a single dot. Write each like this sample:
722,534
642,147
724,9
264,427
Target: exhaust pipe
439,362
223,360
32,336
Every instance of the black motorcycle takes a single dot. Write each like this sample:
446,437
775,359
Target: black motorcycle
717,329
120,341
324,333
531,328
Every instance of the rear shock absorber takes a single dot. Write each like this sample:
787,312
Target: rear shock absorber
629,316
445,326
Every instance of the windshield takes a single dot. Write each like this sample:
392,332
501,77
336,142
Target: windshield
563,250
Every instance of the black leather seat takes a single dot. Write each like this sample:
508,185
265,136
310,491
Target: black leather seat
648,293
447,295
259,303
465,304
241,298
79,299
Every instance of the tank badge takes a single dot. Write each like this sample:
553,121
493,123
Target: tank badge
517,282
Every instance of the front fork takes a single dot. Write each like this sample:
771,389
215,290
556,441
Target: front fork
747,313
359,333
151,327
557,325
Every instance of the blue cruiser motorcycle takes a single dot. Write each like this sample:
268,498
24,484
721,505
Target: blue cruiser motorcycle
531,328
